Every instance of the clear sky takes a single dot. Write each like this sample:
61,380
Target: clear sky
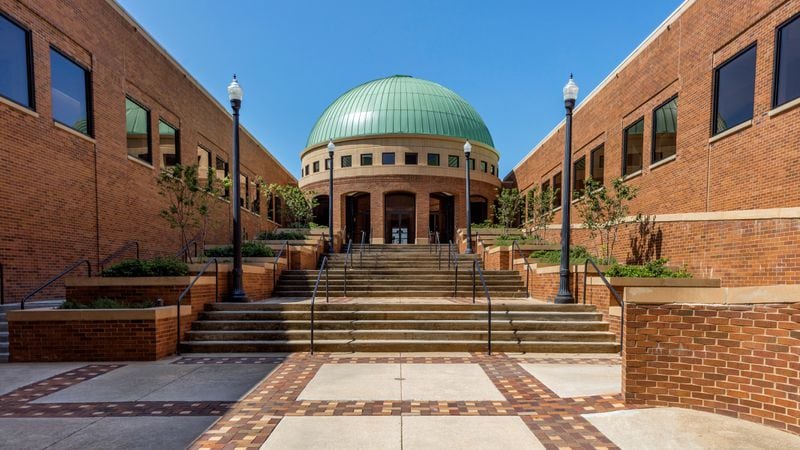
508,58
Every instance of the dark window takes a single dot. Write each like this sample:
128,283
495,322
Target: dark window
316,166
597,164
307,170
452,161
168,144
492,171
787,63
137,130
257,200
327,163
244,192
433,159
70,91
366,159
387,159
472,164
347,161
546,185
665,130
222,173
734,87
203,163
16,84
579,174
632,143
484,167
557,190
411,159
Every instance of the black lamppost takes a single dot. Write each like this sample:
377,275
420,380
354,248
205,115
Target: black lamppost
235,94
467,151
564,295
331,148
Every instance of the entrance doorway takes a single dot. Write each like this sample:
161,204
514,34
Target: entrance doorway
442,216
357,215
321,210
399,218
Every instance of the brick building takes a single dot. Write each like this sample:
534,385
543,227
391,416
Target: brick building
703,118
91,109
399,164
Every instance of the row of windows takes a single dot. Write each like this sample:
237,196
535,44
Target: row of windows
388,159
249,190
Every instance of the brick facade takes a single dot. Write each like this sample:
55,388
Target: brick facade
716,205
68,197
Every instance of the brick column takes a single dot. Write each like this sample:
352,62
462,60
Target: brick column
376,216
423,211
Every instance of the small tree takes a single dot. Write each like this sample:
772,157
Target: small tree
540,210
299,204
604,210
507,208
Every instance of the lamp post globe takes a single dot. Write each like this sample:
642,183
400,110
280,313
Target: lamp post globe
331,149
570,92
235,94
467,151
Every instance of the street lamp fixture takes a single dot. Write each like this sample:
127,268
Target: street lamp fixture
331,149
564,295
467,151
235,95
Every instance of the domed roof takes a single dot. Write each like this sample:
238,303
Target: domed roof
400,104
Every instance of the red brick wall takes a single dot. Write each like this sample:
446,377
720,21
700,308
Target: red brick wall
751,169
102,340
742,361
67,198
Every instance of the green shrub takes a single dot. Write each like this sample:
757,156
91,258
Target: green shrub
282,236
577,255
507,240
156,267
653,269
249,250
486,224
107,303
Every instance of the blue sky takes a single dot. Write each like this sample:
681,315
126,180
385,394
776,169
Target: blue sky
508,58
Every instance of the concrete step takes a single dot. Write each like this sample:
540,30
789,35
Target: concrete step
458,325
497,308
400,334
346,345
399,315
395,294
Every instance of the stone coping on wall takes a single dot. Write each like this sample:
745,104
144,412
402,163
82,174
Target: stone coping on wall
669,283
65,315
137,281
247,267
529,247
781,293
542,268
295,242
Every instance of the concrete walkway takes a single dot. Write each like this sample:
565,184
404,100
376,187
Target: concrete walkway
350,401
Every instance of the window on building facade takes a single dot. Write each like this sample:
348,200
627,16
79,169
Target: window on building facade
597,164
70,88
168,144
387,159
411,159
632,146
366,159
452,161
665,130
244,192
734,88
327,164
203,163
347,161
579,175
256,208
492,171
484,167
221,167
137,129
16,84
308,171
787,63
472,164
557,189
545,185
433,159
316,166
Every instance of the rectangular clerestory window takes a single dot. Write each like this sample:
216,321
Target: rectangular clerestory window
484,167
71,93
16,62
387,159
734,88
316,166
632,147
411,159
597,164
168,144
579,175
787,62
433,159
665,130
347,161
366,159
453,161
137,131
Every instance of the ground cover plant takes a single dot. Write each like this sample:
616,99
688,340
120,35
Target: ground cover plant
107,303
652,269
156,267
577,255
282,236
249,250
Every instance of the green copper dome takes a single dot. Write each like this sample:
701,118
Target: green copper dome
400,105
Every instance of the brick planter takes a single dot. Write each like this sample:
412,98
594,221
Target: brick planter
257,279
500,257
39,335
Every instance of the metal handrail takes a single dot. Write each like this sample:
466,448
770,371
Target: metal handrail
183,253
613,291
119,251
2,285
454,257
515,247
285,245
348,256
477,264
361,249
322,267
438,251
74,266
189,287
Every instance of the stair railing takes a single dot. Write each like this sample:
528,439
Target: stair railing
348,257
323,267
189,288
183,253
476,267
454,257
284,247
515,248
613,292
361,249
69,269
2,285
438,250
125,247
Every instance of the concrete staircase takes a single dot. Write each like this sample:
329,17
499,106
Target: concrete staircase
4,322
394,327
399,271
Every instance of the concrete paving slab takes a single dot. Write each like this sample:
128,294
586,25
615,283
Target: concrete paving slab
335,433
36,433
684,429
354,382
213,382
435,354
447,382
483,432
578,380
15,375
162,433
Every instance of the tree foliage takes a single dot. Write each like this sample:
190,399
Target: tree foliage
299,204
540,210
604,210
508,208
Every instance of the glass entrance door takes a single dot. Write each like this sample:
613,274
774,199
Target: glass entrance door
399,218
399,224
